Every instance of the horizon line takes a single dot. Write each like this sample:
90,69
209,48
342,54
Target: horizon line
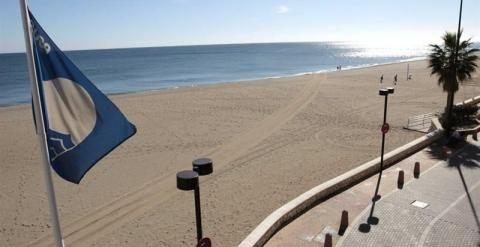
186,45
212,44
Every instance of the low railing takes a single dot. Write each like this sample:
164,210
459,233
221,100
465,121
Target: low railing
420,122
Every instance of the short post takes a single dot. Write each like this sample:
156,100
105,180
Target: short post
401,179
328,240
343,223
416,170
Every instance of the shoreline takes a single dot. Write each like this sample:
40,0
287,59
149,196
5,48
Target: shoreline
363,66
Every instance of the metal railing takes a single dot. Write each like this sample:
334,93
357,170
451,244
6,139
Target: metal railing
420,122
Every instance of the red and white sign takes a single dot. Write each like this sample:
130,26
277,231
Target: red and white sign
204,242
385,128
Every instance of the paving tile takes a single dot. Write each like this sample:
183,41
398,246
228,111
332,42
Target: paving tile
449,219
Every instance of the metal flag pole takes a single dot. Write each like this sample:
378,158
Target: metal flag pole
57,234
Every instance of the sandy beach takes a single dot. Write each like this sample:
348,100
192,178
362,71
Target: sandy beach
270,140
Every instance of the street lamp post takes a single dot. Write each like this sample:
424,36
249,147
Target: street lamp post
385,127
188,180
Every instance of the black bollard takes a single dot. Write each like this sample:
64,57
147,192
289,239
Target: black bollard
416,170
328,240
401,179
343,223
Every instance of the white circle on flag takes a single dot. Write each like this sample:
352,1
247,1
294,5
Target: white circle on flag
70,109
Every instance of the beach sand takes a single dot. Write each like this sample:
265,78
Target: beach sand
270,140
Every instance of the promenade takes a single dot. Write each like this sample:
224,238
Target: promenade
448,192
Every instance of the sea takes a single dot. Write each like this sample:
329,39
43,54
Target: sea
126,70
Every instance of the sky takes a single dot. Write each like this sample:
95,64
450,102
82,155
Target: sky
93,24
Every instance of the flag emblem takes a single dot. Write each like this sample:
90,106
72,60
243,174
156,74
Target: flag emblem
81,124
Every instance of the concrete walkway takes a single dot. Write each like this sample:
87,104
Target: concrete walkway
450,219
451,191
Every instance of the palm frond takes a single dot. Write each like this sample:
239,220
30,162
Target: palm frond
450,66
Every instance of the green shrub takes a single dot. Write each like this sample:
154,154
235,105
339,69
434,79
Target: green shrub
461,116
465,111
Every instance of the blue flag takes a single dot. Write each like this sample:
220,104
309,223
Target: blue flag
82,125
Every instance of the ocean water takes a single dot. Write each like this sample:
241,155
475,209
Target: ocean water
142,69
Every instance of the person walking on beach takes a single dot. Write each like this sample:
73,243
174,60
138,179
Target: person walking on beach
381,79
395,79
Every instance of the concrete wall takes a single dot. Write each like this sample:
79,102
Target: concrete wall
291,210
471,101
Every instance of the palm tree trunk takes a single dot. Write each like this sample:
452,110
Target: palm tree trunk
450,100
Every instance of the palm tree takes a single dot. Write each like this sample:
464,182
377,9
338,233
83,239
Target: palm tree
452,66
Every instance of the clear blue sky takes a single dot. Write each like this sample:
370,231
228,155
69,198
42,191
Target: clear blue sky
92,24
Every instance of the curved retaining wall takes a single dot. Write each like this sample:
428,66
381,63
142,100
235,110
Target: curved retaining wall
474,100
288,212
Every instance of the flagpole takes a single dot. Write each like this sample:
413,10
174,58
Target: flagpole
459,27
57,234
458,33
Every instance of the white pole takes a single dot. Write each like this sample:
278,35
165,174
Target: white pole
57,234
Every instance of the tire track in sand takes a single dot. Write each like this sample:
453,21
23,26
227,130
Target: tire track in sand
102,220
